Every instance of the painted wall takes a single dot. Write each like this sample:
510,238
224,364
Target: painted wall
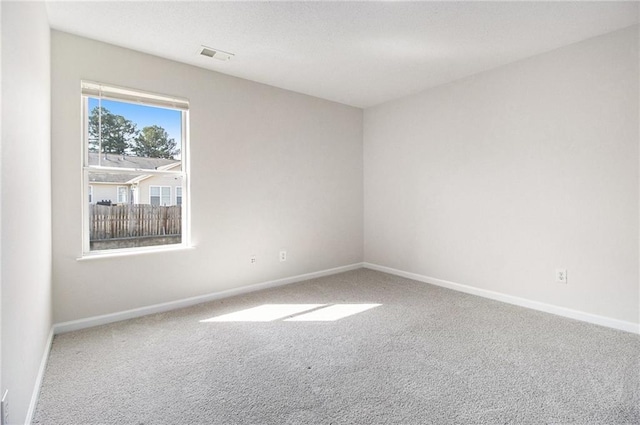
171,182
496,180
109,192
270,170
104,192
1,143
26,220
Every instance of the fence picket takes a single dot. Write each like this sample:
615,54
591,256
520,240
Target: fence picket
125,221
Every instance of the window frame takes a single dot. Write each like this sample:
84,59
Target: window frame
126,192
133,96
176,197
161,196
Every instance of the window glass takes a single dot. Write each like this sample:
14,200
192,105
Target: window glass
134,156
160,195
122,194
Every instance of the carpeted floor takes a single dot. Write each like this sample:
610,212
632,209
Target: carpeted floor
426,355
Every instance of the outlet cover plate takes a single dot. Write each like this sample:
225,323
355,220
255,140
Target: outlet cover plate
561,275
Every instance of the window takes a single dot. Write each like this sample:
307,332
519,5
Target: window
160,195
122,194
135,150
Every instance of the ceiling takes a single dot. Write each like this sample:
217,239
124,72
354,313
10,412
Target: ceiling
357,53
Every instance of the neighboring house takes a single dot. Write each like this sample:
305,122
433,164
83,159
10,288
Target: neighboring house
134,188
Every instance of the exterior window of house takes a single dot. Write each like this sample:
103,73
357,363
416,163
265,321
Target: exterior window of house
160,195
122,194
135,151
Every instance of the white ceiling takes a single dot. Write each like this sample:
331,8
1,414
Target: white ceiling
357,53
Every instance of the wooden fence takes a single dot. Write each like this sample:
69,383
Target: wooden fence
130,221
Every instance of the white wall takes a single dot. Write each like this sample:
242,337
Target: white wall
104,192
144,191
271,170
1,116
496,180
26,200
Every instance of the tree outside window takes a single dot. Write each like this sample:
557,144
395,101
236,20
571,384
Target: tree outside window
134,160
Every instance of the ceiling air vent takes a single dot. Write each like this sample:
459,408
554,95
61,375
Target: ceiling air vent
215,53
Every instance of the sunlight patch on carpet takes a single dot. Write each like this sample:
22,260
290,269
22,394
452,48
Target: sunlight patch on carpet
332,313
264,313
293,313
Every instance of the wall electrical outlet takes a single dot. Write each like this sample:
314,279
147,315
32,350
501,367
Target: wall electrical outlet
253,259
561,275
4,409
283,255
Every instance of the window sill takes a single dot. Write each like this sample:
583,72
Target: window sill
98,255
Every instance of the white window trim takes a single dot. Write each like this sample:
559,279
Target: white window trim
87,189
126,194
161,187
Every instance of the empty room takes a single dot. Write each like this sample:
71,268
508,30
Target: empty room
319,212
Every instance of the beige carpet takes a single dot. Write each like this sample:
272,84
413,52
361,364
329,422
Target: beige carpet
425,355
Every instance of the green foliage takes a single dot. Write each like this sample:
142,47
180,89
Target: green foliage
117,132
154,142
121,136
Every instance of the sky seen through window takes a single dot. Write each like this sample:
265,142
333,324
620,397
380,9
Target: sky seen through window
143,116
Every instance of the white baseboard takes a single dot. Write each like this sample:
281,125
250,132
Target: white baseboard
159,308
39,377
510,299
187,302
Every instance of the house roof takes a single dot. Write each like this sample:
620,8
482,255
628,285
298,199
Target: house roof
126,161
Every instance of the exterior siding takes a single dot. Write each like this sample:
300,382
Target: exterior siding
172,182
109,191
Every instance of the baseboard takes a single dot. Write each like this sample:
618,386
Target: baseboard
187,302
522,302
39,377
